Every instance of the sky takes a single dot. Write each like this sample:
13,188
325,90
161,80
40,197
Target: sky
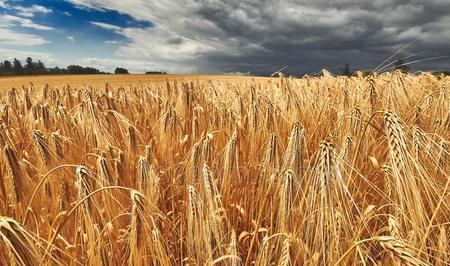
227,36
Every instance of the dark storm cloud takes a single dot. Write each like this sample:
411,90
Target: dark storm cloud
309,35
259,36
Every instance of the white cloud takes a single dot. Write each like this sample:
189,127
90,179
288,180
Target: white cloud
249,34
30,11
106,26
172,23
10,37
8,21
111,42
67,13
82,4
3,4
10,54
71,38
164,45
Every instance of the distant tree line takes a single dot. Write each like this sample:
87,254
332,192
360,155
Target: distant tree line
398,64
156,72
121,70
445,73
30,67
38,68
16,67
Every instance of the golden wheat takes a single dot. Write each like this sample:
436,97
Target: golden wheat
279,171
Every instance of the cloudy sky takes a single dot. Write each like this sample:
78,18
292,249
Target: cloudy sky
224,36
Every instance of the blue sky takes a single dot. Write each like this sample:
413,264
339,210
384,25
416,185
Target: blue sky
217,36
61,33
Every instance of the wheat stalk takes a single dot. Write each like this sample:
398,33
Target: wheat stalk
293,155
17,178
19,242
42,146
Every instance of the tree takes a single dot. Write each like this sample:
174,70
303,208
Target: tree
6,68
156,72
40,68
346,70
399,64
121,70
75,69
54,70
17,67
29,67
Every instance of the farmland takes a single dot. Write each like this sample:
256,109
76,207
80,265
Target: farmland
101,80
226,170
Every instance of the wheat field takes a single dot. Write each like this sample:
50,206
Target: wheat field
279,171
